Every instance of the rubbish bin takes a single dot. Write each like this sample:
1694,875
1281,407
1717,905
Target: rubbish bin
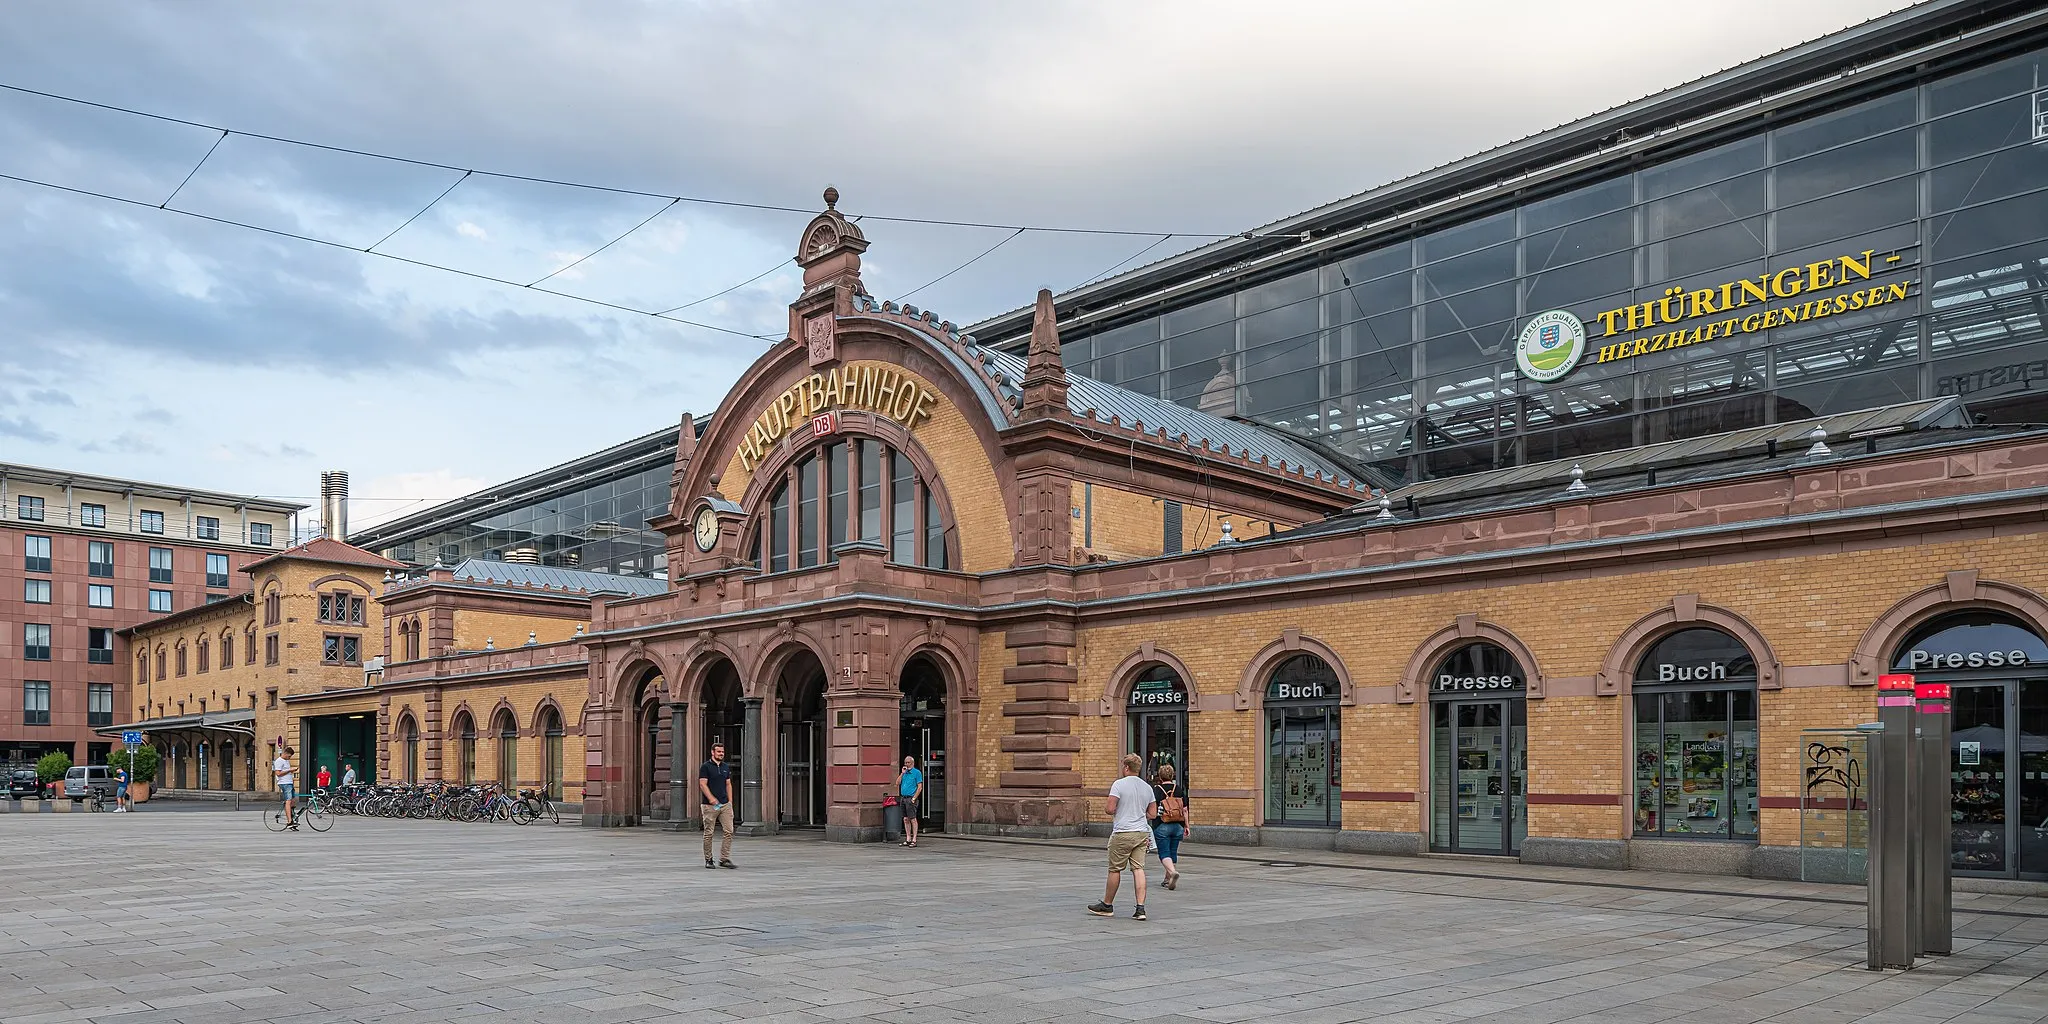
892,822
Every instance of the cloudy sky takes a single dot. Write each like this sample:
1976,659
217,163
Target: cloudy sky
140,342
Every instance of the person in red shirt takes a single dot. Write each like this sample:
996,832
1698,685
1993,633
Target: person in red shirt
323,778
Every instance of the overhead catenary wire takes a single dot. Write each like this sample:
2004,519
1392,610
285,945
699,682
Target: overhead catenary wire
1125,261
976,258
195,170
281,233
615,190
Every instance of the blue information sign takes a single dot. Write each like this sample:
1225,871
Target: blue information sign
132,738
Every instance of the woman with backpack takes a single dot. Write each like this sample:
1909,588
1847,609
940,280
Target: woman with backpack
1169,821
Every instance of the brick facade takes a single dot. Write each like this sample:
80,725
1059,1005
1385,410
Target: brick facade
1023,653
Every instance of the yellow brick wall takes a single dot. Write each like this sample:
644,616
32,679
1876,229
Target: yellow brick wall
509,629
1578,745
525,699
1813,609
1119,524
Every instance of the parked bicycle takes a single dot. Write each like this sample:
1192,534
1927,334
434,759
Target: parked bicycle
313,810
533,805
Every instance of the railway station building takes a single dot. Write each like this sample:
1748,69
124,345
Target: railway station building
1541,505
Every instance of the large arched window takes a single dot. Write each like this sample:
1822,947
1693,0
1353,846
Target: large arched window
551,752
409,736
465,732
854,489
508,750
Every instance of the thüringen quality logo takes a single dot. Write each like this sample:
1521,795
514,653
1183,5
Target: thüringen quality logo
1550,346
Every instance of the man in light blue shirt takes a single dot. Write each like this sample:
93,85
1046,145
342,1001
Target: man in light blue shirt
909,788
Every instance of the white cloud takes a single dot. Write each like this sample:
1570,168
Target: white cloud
472,231
394,495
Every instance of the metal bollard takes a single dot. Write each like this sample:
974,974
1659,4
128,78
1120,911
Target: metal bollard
1936,879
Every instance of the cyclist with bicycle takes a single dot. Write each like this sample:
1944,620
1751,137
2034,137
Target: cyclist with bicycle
286,784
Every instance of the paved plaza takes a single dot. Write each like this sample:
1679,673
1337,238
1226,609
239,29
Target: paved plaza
207,917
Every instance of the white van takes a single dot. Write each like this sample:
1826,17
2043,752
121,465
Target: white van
82,779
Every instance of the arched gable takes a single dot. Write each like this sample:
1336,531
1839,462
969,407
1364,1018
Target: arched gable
959,440
1617,674
1116,690
1467,629
1251,688
1959,591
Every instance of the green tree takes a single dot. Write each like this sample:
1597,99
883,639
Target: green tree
144,768
53,766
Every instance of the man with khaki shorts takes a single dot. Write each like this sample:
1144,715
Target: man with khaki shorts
1130,811
714,783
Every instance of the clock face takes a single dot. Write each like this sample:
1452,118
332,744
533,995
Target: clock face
707,529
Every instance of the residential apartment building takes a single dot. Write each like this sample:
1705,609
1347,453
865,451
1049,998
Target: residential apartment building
81,558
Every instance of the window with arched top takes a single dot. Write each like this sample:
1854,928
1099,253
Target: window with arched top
227,648
466,763
162,658
409,734
205,653
508,750
852,489
551,752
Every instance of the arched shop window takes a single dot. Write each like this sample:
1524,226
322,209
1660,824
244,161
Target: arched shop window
1972,641
1479,751
1157,713
1996,668
1696,756
851,489
1303,772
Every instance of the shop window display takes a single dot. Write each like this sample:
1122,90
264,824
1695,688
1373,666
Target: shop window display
1303,769
1696,738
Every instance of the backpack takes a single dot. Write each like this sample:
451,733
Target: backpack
1171,810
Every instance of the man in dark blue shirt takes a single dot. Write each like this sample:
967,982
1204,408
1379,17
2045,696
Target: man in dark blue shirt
714,784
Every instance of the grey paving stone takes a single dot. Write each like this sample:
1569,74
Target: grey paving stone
409,922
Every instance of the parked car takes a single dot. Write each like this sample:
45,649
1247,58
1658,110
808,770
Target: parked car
22,784
82,779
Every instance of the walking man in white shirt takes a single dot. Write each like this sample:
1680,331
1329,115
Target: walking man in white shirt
286,784
1130,810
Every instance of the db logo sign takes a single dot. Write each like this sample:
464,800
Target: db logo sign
825,425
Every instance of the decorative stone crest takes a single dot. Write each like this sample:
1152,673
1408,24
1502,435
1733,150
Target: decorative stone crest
821,339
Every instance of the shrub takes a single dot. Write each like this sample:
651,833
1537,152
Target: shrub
53,766
145,766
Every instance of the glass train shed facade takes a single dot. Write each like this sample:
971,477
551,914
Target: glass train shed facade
1700,237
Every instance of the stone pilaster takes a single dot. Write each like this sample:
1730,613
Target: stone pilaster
678,793
1039,792
861,728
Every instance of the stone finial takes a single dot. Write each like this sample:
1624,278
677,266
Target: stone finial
1820,449
1045,375
1227,538
1578,479
831,198
1386,508
579,629
532,638
490,644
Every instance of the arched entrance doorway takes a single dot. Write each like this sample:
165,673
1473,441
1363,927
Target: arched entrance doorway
1997,670
725,721
1479,725
924,733
647,731
800,748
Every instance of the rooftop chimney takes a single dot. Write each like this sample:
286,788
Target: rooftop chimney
334,505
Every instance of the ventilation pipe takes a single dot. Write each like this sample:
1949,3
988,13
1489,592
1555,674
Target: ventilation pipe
334,505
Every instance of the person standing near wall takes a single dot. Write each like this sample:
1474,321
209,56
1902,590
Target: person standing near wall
1130,811
714,784
909,789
